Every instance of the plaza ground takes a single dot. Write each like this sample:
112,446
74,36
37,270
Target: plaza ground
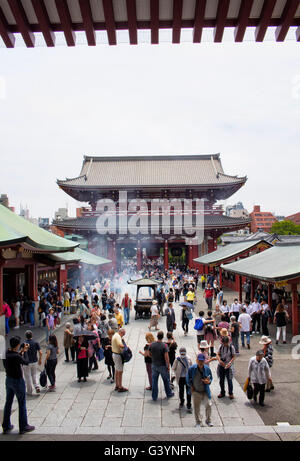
94,411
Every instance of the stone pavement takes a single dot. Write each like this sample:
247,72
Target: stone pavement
93,408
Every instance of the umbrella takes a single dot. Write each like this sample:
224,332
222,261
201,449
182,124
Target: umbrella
188,305
90,335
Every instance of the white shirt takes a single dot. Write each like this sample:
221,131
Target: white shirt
235,307
259,372
265,307
154,310
224,309
245,320
248,308
255,307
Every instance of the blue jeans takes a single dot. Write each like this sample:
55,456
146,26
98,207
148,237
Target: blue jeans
31,318
243,333
156,371
7,329
15,387
48,333
126,315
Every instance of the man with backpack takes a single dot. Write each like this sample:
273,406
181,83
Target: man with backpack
200,326
225,357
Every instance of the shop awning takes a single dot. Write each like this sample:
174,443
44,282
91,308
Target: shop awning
230,251
79,256
281,262
14,229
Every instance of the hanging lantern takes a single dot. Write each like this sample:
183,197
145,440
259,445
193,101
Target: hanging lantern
176,252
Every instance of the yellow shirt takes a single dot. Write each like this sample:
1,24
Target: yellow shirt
120,319
116,343
190,296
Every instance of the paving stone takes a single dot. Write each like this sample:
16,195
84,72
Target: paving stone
97,404
199,430
111,423
248,429
54,419
152,423
232,422
42,410
72,421
132,404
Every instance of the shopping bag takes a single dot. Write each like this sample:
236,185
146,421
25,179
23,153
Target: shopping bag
246,385
43,378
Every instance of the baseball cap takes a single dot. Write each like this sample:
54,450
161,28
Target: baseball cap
201,357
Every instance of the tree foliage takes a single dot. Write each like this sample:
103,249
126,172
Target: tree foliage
285,228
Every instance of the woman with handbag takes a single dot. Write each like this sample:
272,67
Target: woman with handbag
82,358
93,348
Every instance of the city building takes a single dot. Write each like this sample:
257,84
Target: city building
261,220
44,223
230,208
150,179
61,214
295,218
5,202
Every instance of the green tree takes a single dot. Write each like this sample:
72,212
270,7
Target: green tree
285,228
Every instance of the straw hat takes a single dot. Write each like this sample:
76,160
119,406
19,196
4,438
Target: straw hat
265,340
154,302
204,345
224,332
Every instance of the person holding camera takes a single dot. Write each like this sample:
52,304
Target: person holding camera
15,358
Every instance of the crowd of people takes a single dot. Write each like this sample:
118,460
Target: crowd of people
97,333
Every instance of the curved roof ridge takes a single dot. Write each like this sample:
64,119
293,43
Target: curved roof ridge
231,176
71,179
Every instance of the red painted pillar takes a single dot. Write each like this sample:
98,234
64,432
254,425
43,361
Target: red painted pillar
295,317
220,276
166,255
31,280
58,272
210,245
139,256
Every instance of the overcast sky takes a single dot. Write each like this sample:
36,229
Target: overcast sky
242,100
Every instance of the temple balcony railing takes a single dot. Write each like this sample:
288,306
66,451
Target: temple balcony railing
216,210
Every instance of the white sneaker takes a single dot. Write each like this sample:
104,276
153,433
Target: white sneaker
209,423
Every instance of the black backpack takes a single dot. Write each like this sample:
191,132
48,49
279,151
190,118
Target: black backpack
43,378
